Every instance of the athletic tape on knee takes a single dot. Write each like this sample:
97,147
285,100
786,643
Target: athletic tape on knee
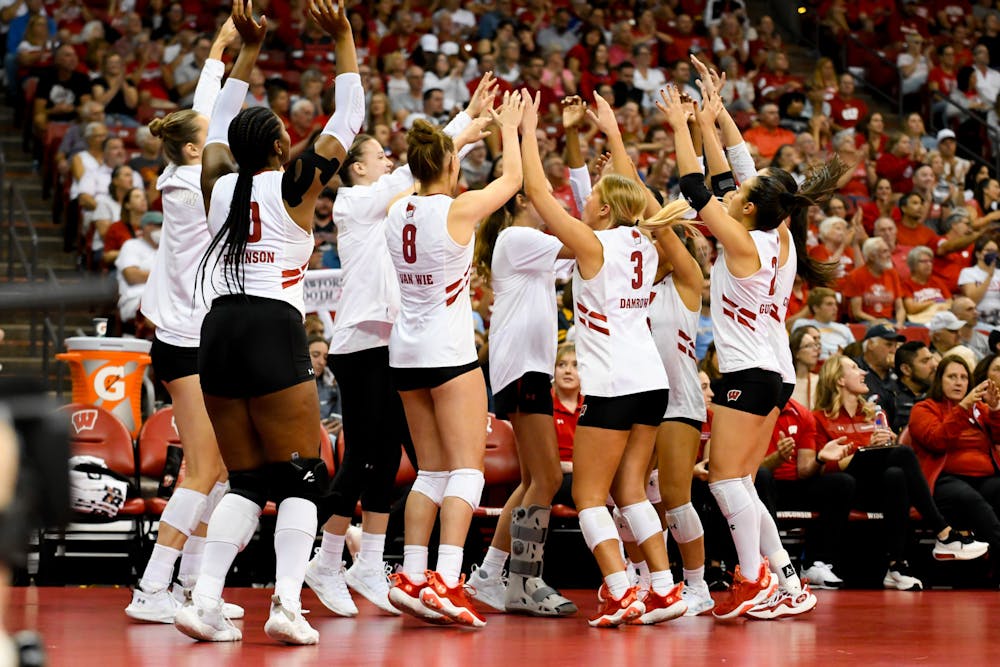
234,521
731,496
621,524
184,510
467,484
653,487
684,524
217,493
431,484
643,520
597,526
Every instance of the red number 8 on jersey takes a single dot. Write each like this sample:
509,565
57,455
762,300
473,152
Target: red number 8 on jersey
410,243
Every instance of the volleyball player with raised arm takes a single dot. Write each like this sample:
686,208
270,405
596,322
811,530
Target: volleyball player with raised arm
169,302
623,380
435,367
745,300
254,362
675,304
374,423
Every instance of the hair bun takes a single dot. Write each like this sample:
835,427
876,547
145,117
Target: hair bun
788,199
156,127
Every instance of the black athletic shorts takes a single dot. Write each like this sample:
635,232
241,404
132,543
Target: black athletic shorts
787,389
411,379
252,346
171,362
752,390
693,423
621,413
529,394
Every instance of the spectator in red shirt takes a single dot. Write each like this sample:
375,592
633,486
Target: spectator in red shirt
885,229
954,249
955,433
837,244
888,477
924,294
775,80
768,136
942,81
881,206
874,289
897,163
678,45
801,483
558,176
911,230
134,207
566,403
846,110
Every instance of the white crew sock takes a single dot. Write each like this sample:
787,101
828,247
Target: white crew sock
694,577
159,570
331,550
372,547
415,563
449,563
191,561
662,581
617,583
493,562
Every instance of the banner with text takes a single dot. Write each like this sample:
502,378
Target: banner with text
322,289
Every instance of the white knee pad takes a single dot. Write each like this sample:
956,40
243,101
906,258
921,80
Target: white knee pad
643,520
621,523
217,493
184,510
431,484
234,521
597,526
467,484
731,494
296,514
684,524
653,487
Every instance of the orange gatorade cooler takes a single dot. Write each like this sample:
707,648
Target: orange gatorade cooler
108,372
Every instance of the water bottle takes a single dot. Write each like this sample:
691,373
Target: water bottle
881,421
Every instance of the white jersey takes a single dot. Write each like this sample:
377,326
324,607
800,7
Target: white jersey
277,254
743,309
434,328
172,300
523,327
674,330
614,346
370,297
783,289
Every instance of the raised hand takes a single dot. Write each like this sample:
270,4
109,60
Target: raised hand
227,34
601,163
485,95
672,109
529,115
511,111
574,110
711,103
251,32
474,131
330,15
605,116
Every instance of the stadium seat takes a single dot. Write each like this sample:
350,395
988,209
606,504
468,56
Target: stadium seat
922,334
156,436
502,468
858,330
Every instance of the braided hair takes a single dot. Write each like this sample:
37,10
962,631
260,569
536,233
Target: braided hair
250,133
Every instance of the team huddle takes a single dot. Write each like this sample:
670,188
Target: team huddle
237,235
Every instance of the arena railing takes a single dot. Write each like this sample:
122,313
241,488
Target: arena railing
28,260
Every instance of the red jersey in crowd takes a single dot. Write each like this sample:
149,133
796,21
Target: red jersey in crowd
857,429
948,438
847,113
899,170
565,422
910,237
798,423
878,293
948,266
934,290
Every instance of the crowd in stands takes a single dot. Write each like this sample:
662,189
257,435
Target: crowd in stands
914,227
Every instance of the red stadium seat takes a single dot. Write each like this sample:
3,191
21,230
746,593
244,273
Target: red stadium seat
502,468
858,330
157,434
97,432
922,334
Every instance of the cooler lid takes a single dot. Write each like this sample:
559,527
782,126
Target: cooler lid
109,344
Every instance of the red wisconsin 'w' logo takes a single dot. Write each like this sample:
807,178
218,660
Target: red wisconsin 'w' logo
733,395
83,420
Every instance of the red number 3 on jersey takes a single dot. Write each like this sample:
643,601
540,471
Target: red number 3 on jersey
636,258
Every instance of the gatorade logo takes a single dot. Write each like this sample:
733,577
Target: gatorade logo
108,383
83,420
